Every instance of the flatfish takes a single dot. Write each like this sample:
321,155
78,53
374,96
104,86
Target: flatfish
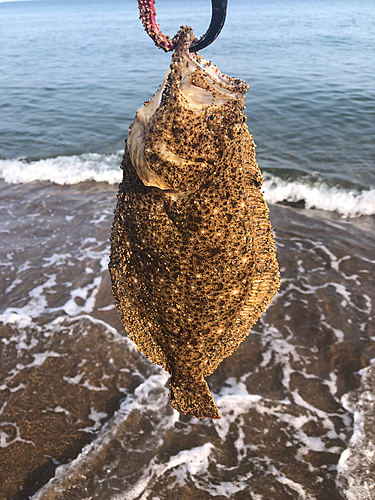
193,259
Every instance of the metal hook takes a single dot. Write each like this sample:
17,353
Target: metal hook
147,15
219,12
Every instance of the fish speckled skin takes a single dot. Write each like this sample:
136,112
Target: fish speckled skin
193,259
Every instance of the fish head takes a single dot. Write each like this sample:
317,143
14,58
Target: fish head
178,137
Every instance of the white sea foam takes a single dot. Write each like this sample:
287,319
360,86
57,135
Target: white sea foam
64,169
7,437
88,296
356,466
320,195
106,168
96,417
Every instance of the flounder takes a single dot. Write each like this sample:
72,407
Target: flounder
193,259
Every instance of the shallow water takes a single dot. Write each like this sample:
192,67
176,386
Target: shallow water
74,74
68,369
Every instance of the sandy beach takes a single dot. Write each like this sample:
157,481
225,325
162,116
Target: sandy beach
71,377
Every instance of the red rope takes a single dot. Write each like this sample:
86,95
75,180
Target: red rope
147,15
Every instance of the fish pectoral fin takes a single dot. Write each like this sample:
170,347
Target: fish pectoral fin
193,397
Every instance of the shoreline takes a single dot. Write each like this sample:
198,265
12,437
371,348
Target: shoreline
68,369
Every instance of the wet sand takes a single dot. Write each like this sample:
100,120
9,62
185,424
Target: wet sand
67,369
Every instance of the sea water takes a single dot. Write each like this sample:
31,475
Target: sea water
72,75
78,400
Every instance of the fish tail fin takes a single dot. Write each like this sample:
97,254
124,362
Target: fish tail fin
193,398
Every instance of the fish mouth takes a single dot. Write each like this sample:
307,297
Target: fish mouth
196,84
203,84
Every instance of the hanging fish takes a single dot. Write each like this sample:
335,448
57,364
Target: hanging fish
193,259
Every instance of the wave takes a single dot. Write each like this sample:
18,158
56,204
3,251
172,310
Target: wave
64,169
307,190
319,195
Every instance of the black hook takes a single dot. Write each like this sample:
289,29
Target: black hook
147,15
219,12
